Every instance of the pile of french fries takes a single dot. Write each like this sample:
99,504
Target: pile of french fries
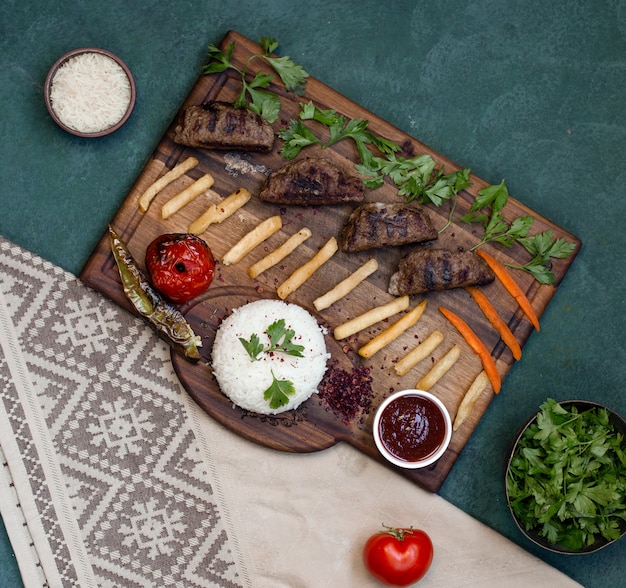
219,212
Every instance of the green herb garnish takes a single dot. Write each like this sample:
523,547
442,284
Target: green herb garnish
264,103
278,393
543,246
416,177
254,347
281,340
567,477
298,135
487,210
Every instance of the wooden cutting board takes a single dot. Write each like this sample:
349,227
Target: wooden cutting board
313,427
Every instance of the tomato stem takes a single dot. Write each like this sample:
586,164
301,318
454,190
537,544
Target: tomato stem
395,532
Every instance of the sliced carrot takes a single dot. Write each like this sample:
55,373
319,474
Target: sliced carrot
473,340
511,285
496,320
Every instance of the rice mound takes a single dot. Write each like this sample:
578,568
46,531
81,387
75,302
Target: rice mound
243,380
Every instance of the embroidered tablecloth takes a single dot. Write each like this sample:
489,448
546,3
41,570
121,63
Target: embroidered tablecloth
112,476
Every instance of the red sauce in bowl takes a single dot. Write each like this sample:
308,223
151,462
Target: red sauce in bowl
412,428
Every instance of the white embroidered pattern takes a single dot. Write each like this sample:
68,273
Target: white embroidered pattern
130,462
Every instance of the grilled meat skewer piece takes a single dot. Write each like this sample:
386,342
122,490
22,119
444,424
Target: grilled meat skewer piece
376,224
429,270
310,182
220,125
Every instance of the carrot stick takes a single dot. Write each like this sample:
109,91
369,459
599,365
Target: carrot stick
477,346
496,321
511,285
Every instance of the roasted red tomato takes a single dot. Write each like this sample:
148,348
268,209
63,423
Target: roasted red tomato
181,266
398,557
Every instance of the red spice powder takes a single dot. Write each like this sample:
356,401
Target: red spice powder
347,394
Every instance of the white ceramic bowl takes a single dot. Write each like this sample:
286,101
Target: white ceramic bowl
418,436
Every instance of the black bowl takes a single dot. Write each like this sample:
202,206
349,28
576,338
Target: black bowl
619,424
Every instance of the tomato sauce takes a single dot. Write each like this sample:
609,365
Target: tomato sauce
412,428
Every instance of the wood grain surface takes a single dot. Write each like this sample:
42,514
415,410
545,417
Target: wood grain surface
313,427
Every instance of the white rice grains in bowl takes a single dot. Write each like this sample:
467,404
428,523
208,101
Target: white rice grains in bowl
90,92
244,380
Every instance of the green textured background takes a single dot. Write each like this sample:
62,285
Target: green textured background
530,91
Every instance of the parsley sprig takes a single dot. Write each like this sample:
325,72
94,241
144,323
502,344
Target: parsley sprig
416,177
567,478
543,247
253,93
280,340
297,135
487,210
279,391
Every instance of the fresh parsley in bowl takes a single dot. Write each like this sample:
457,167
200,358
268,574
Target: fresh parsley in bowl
566,477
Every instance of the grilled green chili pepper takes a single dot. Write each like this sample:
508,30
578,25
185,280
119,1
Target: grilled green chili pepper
167,320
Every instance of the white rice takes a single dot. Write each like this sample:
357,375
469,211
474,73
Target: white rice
244,381
90,92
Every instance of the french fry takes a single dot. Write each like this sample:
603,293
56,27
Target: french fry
469,400
255,237
217,213
153,189
183,198
346,286
371,317
418,353
394,331
278,254
440,369
304,272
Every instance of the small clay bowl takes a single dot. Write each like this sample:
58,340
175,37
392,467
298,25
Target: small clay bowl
619,426
73,129
412,429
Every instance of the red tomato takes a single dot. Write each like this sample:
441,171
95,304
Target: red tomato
181,266
398,557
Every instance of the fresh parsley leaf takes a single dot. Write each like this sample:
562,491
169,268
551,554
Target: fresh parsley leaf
269,44
293,76
296,137
328,117
280,340
543,247
495,196
567,478
266,104
415,176
278,393
254,347
445,186
487,210
218,61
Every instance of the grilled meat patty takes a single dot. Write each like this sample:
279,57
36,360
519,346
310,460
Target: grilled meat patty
429,270
376,224
219,125
311,181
